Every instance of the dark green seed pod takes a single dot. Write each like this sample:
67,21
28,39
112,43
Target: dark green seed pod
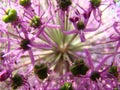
41,71
24,2
17,81
95,3
64,4
67,86
95,75
35,22
113,71
24,44
11,15
79,68
80,25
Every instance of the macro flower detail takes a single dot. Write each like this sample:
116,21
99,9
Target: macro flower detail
59,44
10,15
41,71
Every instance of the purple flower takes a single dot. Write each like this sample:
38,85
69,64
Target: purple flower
59,44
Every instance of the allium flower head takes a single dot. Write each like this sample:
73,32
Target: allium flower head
59,44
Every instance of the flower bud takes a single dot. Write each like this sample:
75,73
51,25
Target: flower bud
95,75
35,22
10,16
41,71
78,68
66,86
24,2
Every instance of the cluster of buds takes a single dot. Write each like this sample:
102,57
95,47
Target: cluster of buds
59,44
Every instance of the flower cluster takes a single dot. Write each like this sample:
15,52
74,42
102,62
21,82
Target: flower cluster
59,44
